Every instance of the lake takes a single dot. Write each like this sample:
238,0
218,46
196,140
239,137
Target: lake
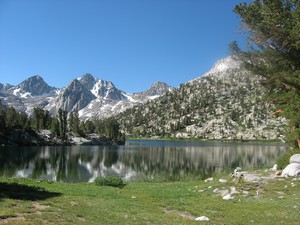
136,160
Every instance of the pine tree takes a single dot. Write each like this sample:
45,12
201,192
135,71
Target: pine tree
274,33
63,122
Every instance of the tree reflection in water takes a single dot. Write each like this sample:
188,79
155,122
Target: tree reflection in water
135,160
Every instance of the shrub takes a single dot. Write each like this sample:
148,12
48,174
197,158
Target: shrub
112,181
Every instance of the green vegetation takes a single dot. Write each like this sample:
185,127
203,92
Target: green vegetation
112,181
274,32
211,107
26,201
63,126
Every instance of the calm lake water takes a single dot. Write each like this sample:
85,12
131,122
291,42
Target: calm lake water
138,159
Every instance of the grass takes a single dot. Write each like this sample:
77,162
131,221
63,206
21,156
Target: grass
177,202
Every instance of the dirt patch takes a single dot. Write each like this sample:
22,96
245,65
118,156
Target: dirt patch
39,206
18,219
183,214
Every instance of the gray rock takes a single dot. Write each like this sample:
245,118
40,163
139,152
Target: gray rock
209,179
274,168
202,218
291,170
295,158
237,170
251,178
223,193
228,197
222,181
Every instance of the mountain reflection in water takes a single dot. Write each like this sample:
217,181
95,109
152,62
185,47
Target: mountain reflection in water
135,160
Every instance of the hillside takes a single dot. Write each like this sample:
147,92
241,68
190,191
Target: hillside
225,103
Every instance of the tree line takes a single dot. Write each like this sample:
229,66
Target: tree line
63,125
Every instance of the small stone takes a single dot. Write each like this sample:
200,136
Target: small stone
224,192
233,191
216,190
228,197
209,179
274,168
232,188
222,181
202,218
237,170
278,173
245,192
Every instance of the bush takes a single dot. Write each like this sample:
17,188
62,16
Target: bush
284,160
112,181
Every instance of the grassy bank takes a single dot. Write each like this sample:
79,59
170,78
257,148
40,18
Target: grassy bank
26,201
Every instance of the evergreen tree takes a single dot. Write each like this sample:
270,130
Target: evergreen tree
41,119
11,117
274,32
2,125
63,123
74,122
55,126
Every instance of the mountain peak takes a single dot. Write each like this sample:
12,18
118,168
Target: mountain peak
224,65
158,88
34,86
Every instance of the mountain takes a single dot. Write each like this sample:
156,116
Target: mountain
33,86
92,97
74,96
101,88
225,103
111,101
5,87
156,89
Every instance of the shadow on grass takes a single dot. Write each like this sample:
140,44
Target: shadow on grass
24,192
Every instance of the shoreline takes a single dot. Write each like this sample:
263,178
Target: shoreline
208,140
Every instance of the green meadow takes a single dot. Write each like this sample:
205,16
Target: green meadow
28,201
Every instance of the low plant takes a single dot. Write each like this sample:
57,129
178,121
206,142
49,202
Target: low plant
284,160
112,181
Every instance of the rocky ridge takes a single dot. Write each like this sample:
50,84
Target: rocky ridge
225,103
92,97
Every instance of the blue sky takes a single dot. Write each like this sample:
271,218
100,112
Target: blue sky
132,43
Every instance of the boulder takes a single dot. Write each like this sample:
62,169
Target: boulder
292,170
295,158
